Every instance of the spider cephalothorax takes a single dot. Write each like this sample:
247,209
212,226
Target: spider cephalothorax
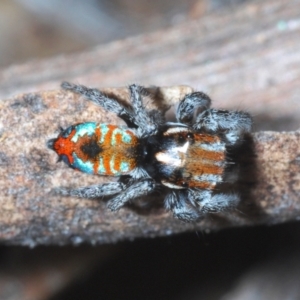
187,158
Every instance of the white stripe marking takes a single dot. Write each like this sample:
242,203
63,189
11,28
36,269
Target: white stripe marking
175,130
216,147
171,185
209,178
173,156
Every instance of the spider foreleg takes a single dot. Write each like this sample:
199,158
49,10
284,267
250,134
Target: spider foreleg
178,203
191,105
233,123
104,101
94,191
133,190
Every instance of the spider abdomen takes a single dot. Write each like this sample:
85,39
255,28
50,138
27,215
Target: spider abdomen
95,148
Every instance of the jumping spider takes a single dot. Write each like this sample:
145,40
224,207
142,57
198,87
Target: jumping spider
187,158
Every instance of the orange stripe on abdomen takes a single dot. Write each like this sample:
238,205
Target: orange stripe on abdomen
107,155
196,154
205,161
201,184
206,138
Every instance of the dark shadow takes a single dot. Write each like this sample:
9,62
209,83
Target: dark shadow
189,266
244,165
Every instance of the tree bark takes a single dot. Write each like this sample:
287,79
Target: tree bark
31,212
244,60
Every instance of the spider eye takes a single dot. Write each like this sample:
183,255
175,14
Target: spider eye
185,184
181,139
190,136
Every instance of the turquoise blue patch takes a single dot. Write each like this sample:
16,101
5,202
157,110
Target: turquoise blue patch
86,167
83,129
111,165
124,167
104,129
126,138
101,168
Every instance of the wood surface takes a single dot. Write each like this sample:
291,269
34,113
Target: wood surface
247,59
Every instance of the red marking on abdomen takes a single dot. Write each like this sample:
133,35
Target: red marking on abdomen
64,146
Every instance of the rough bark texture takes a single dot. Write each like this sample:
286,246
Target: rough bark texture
246,60
31,212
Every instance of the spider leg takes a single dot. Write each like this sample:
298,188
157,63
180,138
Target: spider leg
190,105
146,122
102,100
178,203
134,190
233,123
208,202
94,191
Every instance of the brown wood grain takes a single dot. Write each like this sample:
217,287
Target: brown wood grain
32,213
247,59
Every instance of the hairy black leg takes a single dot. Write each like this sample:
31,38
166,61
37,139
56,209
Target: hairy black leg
190,105
102,100
208,202
94,191
214,119
145,121
135,190
232,123
157,116
178,203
